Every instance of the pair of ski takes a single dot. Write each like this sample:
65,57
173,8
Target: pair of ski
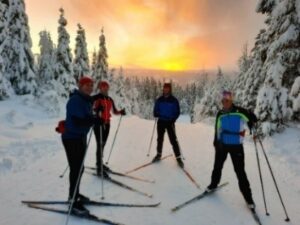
37,205
163,158
123,175
123,185
207,193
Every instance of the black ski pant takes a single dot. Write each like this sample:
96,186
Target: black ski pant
75,150
162,127
100,149
237,156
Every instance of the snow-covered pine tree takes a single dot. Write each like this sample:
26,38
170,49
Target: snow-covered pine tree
46,60
63,66
252,79
282,63
101,70
295,95
5,87
94,65
16,50
244,63
81,59
48,93
210,103
120,93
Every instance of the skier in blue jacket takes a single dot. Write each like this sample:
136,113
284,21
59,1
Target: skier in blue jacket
230,130
79,120
167,111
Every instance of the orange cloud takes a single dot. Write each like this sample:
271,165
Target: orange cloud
170,34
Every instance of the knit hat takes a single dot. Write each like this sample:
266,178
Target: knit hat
228,95
85,80
168,85
103,84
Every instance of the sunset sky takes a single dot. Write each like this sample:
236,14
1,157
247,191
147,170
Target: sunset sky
156,34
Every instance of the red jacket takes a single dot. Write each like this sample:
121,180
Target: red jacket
105,104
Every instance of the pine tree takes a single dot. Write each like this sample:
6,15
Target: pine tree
210,103
5,87
16,51
81,60
101,70
46,60
94,65
281,66
121,97
252,79
63,68
295,95
49,92
244,63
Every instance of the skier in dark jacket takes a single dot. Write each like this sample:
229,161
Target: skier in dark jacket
79,120
103,106
167,111
229,135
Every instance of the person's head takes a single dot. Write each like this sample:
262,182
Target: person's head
227,100
167,89
85,85
103,87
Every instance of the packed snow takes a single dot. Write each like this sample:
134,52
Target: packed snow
32,158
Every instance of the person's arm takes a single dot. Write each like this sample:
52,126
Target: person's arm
97,97
83,122
115,110
156,109
216,130
78,116
252,119
177,109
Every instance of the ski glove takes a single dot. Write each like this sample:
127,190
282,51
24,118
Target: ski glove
123,112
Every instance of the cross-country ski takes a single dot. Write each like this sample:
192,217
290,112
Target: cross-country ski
198,197
124,175
87,217
94,203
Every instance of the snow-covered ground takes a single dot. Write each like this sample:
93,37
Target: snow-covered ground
32,157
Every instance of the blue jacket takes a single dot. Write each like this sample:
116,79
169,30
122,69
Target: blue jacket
167,108
230,125
79,118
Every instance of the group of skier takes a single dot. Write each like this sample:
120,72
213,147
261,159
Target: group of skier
84,111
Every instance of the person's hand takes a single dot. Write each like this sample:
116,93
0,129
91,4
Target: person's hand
123,112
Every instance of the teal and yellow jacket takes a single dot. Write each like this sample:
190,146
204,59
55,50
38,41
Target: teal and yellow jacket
230,126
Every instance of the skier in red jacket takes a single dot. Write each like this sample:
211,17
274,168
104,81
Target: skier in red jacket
103,105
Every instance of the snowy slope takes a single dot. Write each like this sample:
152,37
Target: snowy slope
32,157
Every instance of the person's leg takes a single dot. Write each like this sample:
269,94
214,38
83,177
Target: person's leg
106,129
220,157
160,136
105,132
237,156
75,150
173,139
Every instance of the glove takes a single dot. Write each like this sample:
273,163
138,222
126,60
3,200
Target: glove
123,112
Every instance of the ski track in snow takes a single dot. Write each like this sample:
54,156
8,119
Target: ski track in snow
32,158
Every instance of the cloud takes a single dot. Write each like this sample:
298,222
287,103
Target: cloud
149,32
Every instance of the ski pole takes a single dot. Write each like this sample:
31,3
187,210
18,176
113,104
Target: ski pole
113,144
273,177
102,167
151,140
260,175
78,179
63,174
